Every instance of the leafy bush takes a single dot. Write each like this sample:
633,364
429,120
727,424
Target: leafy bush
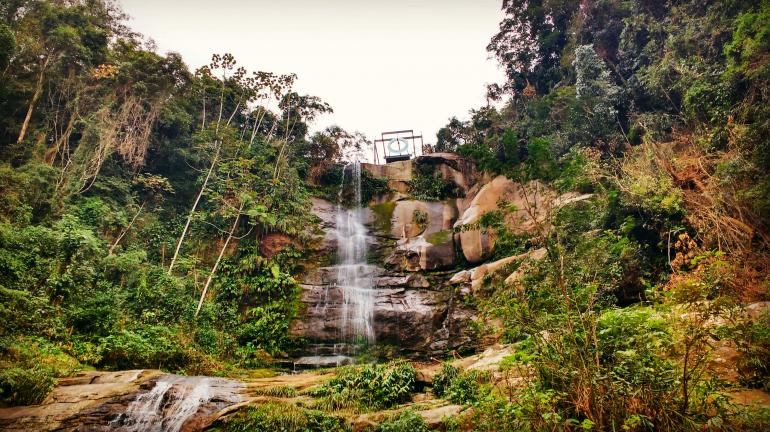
427,184
443,380
753,341
20,386
282,417
460,387
147,347
369,387
405,421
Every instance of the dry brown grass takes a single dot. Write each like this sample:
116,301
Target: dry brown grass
715,205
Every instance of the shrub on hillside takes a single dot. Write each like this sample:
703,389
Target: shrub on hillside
20,386
405,421
370,387
284,417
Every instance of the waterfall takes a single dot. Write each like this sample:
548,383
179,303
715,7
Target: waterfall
354,275
345,304
173,401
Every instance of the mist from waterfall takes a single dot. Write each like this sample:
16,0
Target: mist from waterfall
354,276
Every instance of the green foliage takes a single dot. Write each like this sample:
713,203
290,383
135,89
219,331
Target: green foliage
370,387
750,41
147,347
444,378
29,366
459,387
753,340
428,184
649,189
282,417
7,45
278,391
24,386
405,421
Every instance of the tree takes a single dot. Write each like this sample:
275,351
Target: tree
530,42
66,40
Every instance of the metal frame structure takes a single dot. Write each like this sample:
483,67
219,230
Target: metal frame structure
387,137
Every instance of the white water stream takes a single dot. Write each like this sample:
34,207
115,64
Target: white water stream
173,401
354,276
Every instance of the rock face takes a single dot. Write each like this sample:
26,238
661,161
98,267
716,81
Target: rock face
474,277
424,230
451,166
415,307
408,312
529,202
136,400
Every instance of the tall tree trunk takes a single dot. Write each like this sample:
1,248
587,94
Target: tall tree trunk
218,145
194,207
35,97
219,258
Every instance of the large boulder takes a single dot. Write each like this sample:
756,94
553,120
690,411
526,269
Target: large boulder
399,174
452,167
529,206
424,230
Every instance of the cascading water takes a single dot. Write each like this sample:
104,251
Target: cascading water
354,275
346,303
174,401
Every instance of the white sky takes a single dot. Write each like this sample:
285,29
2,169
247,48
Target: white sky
382,65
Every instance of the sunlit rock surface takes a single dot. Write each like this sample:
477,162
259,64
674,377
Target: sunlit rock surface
130,401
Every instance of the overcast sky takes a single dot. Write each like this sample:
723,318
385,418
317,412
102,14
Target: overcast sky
382,65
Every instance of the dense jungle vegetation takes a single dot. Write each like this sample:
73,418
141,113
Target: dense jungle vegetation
130,186
135,194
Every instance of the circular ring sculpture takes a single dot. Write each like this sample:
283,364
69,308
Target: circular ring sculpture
398,146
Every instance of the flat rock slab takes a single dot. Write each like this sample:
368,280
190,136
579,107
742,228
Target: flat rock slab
434,417
73,396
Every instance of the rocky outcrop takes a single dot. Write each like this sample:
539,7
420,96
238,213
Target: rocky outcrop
527,205
409,312
106,401
474,277
424,230
326,212
399,174
451,166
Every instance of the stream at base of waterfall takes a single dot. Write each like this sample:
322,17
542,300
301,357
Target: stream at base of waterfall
175,402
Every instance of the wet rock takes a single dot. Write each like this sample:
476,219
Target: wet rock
405,314
103,401
418,254
326,212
